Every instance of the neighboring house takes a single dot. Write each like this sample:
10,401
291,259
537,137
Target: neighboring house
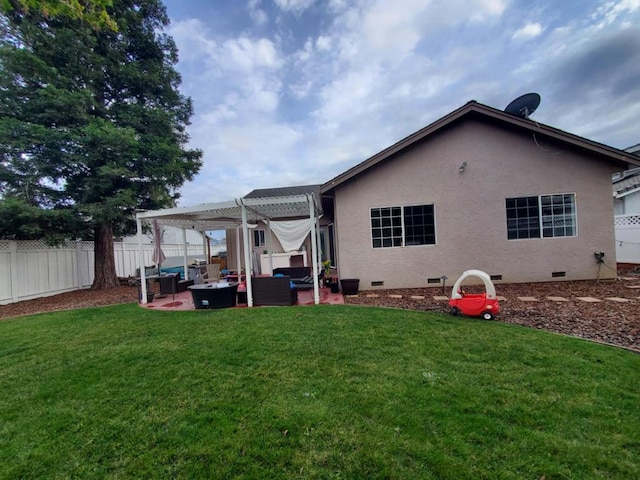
478,189
626,201
626,188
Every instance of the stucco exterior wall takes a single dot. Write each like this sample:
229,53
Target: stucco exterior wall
471,227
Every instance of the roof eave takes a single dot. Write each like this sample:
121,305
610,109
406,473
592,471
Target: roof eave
620,158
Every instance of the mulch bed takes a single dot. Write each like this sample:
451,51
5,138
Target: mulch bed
607,321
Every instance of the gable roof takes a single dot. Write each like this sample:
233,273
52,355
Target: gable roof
473,109
627,182
284,191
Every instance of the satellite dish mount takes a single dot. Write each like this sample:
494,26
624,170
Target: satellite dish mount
524,105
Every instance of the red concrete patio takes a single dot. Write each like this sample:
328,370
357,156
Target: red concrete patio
184,301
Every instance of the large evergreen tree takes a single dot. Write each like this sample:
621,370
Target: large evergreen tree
92,126
94,12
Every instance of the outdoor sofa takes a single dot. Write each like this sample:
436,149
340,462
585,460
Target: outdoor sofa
273,291
301,277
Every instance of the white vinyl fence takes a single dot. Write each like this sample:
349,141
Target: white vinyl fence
628,238
33,269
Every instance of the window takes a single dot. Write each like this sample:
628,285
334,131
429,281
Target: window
258,238
545,216
398,226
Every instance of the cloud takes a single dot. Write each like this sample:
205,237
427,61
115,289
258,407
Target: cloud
610,11
247,54
605,64
259,16
301,98
528,31
293,5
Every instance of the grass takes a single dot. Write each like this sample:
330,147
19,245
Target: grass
310,392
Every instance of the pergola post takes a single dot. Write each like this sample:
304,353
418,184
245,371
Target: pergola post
269,246
247,259
184,254
143,279
238,252
314,249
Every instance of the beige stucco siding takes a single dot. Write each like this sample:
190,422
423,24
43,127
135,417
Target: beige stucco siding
470,210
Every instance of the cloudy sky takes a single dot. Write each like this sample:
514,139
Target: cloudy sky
294,92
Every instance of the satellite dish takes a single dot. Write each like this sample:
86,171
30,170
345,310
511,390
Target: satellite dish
524,105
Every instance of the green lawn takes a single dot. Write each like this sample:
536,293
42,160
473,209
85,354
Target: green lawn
310,392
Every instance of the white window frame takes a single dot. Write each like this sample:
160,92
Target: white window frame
403,235
259,235
542,219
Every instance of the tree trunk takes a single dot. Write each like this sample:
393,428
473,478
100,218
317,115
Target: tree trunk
104,260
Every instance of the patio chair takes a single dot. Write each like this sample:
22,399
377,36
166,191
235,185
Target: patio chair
213,272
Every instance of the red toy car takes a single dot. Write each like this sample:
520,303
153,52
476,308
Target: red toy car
483,305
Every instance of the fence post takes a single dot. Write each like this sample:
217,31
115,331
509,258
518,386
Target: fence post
13,261
78,280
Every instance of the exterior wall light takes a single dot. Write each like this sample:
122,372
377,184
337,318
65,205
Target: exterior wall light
462,167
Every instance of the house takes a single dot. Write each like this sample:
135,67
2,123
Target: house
478,189
626,204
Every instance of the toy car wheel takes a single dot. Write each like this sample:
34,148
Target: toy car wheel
487,316
455,311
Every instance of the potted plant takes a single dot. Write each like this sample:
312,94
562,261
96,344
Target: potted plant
326,265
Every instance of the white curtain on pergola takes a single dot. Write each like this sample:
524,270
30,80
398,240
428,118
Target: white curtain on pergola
294,213
291,233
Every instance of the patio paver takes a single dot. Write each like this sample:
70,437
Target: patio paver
558,299
619,299
528,299
589,299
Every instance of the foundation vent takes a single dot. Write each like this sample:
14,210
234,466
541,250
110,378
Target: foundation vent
495,277
434,280
558,274
377,283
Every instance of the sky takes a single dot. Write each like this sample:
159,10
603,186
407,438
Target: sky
295,92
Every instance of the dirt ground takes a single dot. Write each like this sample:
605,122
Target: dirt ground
608,321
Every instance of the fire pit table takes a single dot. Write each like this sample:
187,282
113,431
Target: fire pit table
214,295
